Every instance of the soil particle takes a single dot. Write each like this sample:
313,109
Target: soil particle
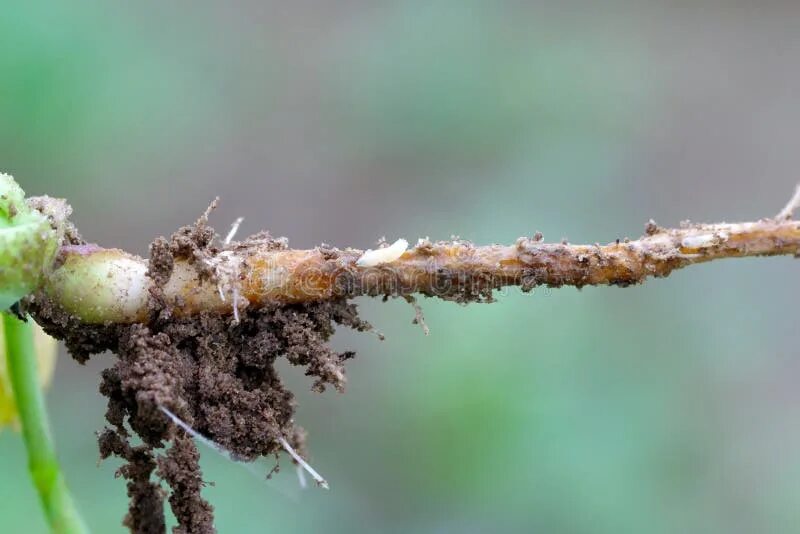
193,243
159,268
81,340
161,261
651,228
43,204
146,511
180,468
264,239
221,380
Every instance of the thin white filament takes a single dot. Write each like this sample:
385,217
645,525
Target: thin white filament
234,229
302,464
299,459
788,211
197,435
208,442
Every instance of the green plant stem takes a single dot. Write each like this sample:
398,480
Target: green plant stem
59,508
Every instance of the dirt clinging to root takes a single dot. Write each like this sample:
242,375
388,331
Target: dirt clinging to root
215,375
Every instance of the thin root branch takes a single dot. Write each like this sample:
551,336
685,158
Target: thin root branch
419,317
211,444
301,462
197,435
787,212
234,229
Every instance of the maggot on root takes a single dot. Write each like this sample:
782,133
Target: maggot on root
197,328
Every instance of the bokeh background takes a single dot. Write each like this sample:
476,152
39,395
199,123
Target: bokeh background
670,407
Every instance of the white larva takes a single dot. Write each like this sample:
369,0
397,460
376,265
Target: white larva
372,258
704,240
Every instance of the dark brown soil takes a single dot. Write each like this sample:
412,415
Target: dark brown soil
217,376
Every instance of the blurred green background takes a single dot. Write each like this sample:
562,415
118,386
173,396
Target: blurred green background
671,407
